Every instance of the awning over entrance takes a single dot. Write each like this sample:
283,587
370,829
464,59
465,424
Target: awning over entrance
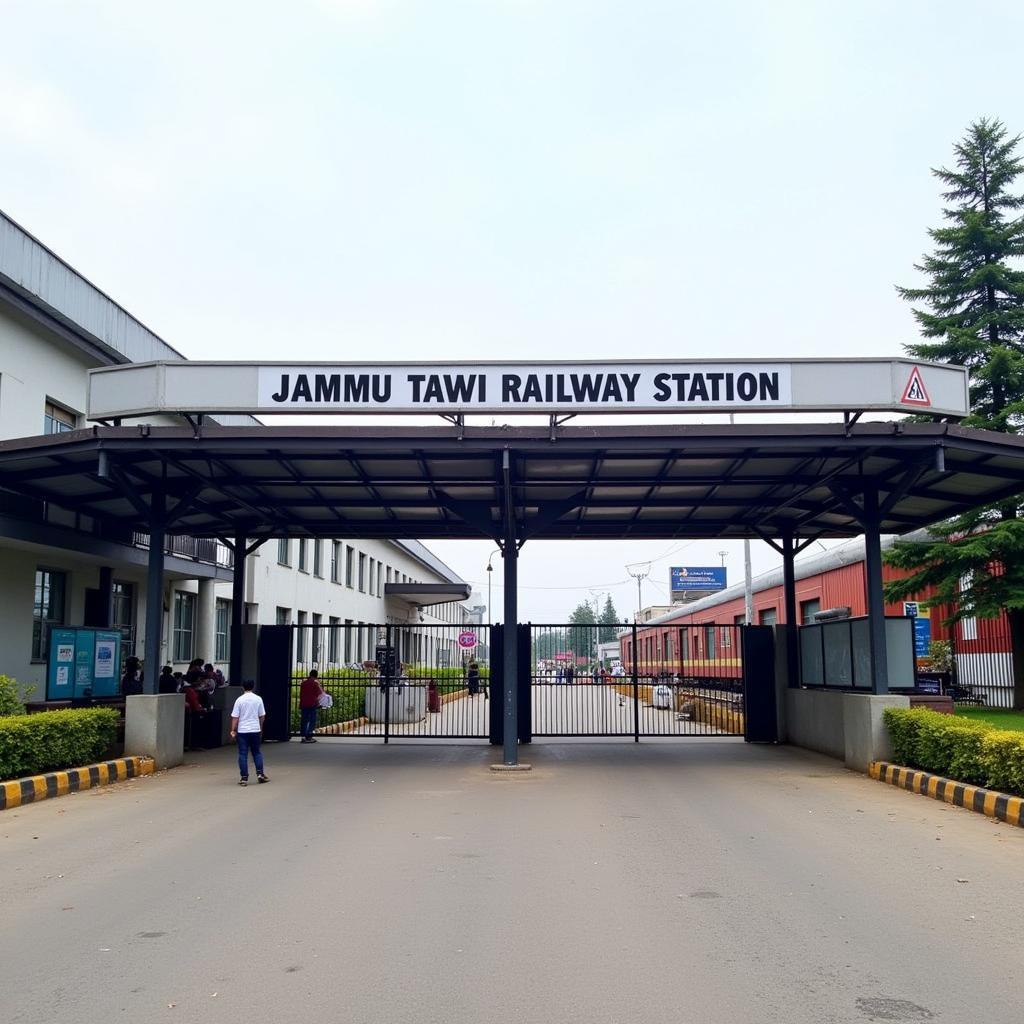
663,481
422,595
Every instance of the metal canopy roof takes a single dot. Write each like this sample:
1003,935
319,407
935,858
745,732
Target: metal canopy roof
663,481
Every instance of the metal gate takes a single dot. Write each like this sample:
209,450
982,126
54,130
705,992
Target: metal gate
664,680
408,680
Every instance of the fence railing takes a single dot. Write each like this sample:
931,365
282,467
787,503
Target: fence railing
198,549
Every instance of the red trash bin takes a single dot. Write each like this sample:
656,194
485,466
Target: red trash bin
433,697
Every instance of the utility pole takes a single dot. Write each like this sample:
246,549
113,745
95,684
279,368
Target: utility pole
639,575
748,589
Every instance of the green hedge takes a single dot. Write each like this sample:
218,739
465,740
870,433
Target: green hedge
31,744
957,748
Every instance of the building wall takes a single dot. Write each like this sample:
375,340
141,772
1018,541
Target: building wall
38,364
33,369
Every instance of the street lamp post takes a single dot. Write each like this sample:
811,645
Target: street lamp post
490,571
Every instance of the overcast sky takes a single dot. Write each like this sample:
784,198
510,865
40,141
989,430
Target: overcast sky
347,179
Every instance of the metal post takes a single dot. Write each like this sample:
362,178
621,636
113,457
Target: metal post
510,642
636,691
875,596
387,683
154,592
237,611
789,597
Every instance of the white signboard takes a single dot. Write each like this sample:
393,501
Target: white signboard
544,387
104,667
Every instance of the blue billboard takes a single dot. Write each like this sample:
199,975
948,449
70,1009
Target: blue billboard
697,577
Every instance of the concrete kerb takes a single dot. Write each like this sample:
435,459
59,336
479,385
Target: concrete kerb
34,788
989,802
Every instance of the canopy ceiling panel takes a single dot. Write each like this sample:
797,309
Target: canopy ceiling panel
663,481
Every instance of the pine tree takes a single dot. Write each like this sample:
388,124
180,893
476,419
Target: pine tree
974,303
609,620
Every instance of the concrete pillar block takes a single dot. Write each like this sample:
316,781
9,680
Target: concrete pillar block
154,726
865,737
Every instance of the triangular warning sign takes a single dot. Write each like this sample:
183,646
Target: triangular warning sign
915,392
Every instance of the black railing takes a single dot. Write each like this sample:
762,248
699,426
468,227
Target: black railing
198,549
395,681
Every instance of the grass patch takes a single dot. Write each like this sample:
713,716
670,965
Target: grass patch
1012,720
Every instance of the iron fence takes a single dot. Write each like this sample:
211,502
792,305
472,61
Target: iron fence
666,681
395,680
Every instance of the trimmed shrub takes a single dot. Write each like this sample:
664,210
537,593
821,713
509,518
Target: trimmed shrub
31,744
1004,757
904,729
12,696
960,749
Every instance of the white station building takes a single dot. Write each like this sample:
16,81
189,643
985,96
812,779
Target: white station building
54,327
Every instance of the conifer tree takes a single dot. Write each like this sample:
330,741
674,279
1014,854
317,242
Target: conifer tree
609,620
973,305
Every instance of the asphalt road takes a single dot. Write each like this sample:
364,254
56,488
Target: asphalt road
697,881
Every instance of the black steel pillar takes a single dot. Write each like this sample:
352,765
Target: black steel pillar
237,611
789,604
510,653
875,597
154,591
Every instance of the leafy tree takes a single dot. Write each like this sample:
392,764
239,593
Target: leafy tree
582,641
974,305
609,620
545,645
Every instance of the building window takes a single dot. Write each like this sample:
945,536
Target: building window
348,639
284,616
303,567
284,551
184,621
362,573
335,561
301,636
768,616
380,580
222,631
48,609
317,637
122,614
350,557
318,558
808,609
372,578
739,620
332,639
57,419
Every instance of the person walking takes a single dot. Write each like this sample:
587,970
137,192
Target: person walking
473,678
247,718
310,692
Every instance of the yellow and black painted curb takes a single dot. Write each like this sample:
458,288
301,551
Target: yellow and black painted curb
40,787
975,798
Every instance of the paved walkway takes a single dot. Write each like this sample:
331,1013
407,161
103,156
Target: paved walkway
667,882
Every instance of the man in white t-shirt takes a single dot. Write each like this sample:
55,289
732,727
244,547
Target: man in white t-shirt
247,717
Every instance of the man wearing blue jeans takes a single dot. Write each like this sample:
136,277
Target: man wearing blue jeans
247,717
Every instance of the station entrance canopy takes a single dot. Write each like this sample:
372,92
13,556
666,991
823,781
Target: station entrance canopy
788,484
